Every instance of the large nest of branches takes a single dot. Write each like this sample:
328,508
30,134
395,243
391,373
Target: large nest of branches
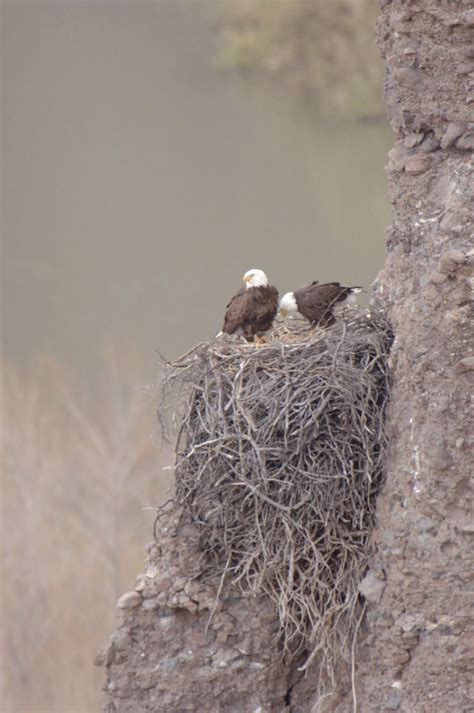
279,460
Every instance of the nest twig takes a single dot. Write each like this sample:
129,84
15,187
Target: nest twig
279,460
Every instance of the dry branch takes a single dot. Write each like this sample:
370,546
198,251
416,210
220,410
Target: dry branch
279,459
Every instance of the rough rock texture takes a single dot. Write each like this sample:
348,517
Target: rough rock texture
177,649
416,653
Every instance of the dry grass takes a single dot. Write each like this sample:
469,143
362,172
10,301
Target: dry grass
279,460
76,475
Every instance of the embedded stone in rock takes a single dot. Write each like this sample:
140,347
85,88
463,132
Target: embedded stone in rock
466,67
151,572
419,163
450,260
408,77
402,16
466,364
401,657
430,295
410,622
437,278
413,140
393,701
129,600
398,156
371,587
467,527
430,143
466,142
105,656
150,604
453,132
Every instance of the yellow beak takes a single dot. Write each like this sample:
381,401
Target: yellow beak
283,313
246,278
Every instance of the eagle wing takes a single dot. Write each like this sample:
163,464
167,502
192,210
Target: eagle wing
251,310
266,308
315,301
307,285
238,311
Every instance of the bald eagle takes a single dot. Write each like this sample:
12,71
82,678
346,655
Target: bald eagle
318,303
252,310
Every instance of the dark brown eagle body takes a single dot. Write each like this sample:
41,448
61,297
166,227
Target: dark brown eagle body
251,311
316,302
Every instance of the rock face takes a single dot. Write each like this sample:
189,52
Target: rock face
175,648
180,647
418,651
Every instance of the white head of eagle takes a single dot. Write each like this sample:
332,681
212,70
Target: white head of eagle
288,304
255,278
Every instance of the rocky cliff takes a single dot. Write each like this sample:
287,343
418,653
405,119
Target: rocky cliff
415,649
417,655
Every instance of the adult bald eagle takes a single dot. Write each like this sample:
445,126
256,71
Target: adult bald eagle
252,310
318,303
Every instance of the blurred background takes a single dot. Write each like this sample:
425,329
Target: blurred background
152,151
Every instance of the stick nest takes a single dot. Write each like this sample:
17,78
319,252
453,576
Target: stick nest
279,460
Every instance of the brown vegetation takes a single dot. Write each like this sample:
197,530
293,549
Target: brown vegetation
279,460
76,477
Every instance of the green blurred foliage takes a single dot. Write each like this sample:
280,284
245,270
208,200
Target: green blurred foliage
325,47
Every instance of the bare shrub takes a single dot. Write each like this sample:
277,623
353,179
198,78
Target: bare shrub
279,459
77,473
